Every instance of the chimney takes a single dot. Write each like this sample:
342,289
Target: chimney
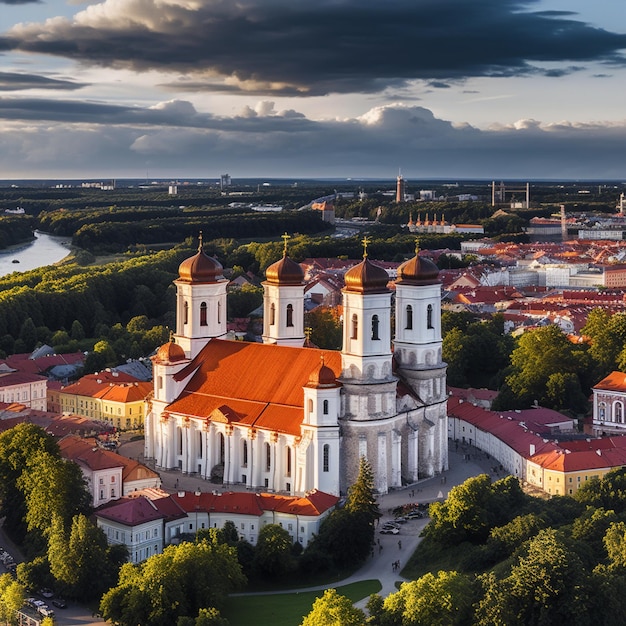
532,449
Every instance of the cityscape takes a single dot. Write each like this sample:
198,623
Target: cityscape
312,314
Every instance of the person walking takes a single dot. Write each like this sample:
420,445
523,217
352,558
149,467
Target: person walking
399,545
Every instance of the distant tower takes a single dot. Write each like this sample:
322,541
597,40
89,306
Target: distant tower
563,224
400,184
225,181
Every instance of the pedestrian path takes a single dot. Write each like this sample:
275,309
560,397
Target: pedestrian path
464,461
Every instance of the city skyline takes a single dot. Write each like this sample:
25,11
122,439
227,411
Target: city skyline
194,88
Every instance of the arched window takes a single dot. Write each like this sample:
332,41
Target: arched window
602,411
268,457
186,312
619,412
310,405
221,444
355,326
179,440
244,455
326,458
429,316
325,409
290,315
375,327
160,382
288,461
203,318
272,314
409,317
219,312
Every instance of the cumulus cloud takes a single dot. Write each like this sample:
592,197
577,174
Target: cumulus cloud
298,47
178,141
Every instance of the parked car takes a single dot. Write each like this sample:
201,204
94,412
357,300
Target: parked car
389,531
59,603
415,515
400,520
46,593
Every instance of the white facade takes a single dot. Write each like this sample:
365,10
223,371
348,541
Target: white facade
27,389
359,411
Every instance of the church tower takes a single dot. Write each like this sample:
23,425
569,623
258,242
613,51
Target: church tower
283,302
417,352
200,302
400,188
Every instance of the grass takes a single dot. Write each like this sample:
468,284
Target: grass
287,609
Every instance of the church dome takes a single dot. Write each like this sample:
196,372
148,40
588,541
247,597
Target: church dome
418,271
170,352
285,272
366,277
323,376
200,268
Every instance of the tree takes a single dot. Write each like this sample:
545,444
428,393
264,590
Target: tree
77,331
18,446
442,600
177,583
12,595
28,334
541,354
273,555
81,561
547,585
608,492
333,609
361,498
53,487
326,327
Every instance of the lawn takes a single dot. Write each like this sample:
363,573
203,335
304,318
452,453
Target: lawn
287,609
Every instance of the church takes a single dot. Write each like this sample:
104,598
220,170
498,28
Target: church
279,416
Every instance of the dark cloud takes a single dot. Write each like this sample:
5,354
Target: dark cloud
12,81
176,141
299,47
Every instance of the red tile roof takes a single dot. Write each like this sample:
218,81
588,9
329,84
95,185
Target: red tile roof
227,385
615,381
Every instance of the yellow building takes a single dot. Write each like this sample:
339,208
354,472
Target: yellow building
113,397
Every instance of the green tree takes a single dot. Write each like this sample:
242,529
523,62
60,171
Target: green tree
18,446
273,554
177,583
547,585
80,561
540,355
326,327
608,492
28,334
333,609
12,595
210,617
444,599
77,331
53,487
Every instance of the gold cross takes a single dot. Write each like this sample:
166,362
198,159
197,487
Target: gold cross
417,247
200,241
285,237
307,331
365,241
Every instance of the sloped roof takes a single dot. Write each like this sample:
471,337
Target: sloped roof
226,384
246,503
132,512
615,381
86,452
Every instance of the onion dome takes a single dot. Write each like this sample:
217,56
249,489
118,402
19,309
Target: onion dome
366,277
200,268
170,352
322,377
418,271
285,272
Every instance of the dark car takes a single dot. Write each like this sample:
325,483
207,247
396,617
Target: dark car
59,603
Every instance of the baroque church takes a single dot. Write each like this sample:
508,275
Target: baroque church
279,416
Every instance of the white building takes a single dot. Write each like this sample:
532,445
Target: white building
281,417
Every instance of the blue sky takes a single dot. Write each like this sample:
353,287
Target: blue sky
494,89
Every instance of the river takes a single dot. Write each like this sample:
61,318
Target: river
43,250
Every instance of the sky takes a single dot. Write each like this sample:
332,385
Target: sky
177,89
